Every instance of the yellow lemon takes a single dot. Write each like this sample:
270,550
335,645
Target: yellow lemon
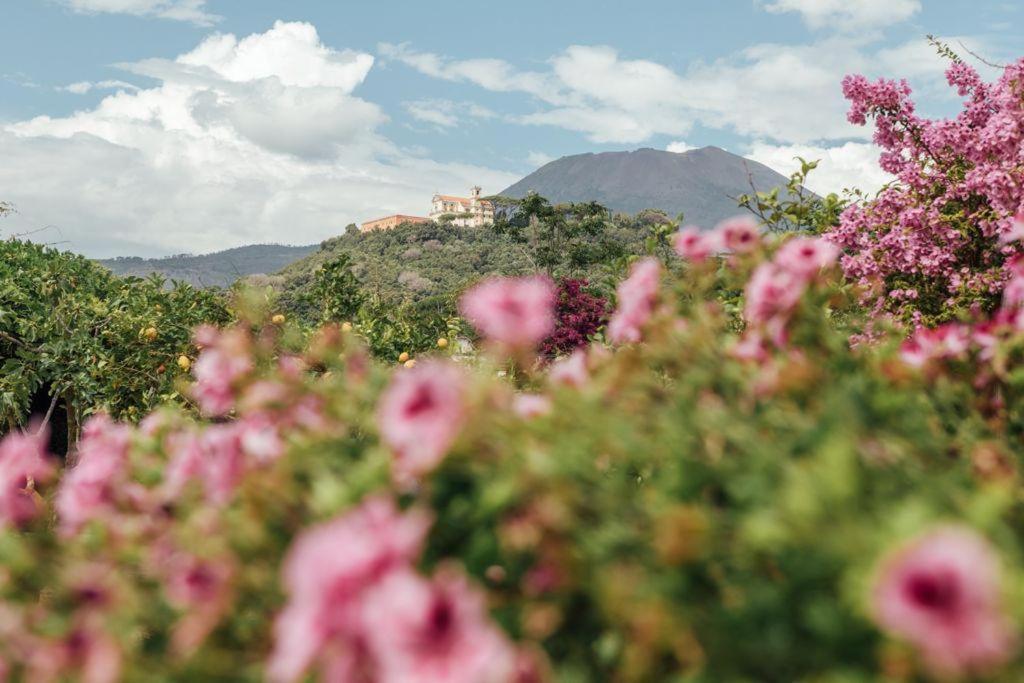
184,363
278,319
149,333
442,343
410,363
402,357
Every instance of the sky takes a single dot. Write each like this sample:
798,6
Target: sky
155,127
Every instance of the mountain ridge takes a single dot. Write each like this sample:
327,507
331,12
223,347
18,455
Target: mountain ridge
699,183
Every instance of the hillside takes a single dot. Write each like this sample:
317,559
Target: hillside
698,183
219,269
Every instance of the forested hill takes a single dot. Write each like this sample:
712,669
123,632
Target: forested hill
700,183
219,269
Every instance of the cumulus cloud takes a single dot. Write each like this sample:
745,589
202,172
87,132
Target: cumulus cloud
852,165
847,15
241,140
679,146
762,91
193,11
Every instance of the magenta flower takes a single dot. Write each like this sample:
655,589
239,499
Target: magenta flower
23,460
326,574
435,631
517,313
806,256
89,489
1016,231
739,235
637,295
419,416
941,592
693,244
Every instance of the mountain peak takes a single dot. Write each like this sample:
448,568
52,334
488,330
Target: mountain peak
699,183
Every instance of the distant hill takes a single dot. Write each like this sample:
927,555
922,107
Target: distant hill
219,269
698,183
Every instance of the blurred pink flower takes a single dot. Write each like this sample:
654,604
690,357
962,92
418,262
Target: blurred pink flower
636,295
1016,231
260,438
941,592
806,256
515,312
692,244
531,405
435,631
771,292
739,235
326,573
420,414
223,361
88,489
22,459
223,463
570,371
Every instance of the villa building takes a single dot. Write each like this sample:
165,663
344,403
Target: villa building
389,222
468,212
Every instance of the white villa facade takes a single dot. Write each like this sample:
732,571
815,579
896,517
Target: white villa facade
470,212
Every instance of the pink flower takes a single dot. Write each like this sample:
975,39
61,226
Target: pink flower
224,360
695,245
950,341
326,574
806,256
515,312
419,416
23,459
941,592
739,235
435,631
637,295
529,406
1016,231
89,489
223,463
571,371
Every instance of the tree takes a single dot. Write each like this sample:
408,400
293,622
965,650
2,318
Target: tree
336,291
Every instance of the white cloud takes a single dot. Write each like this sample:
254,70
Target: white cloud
193,11
850,165
848,15
241,141
679,146
539,159
787,93
445,113
83,87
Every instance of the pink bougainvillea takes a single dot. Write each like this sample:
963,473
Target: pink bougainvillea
933,244
637,295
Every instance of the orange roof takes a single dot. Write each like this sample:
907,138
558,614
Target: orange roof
400,216
460,200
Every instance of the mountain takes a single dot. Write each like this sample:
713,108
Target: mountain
698,183
219,269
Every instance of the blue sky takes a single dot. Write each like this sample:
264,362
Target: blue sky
165,126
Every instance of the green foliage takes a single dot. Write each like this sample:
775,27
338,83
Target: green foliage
337,291
794,207
96,340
